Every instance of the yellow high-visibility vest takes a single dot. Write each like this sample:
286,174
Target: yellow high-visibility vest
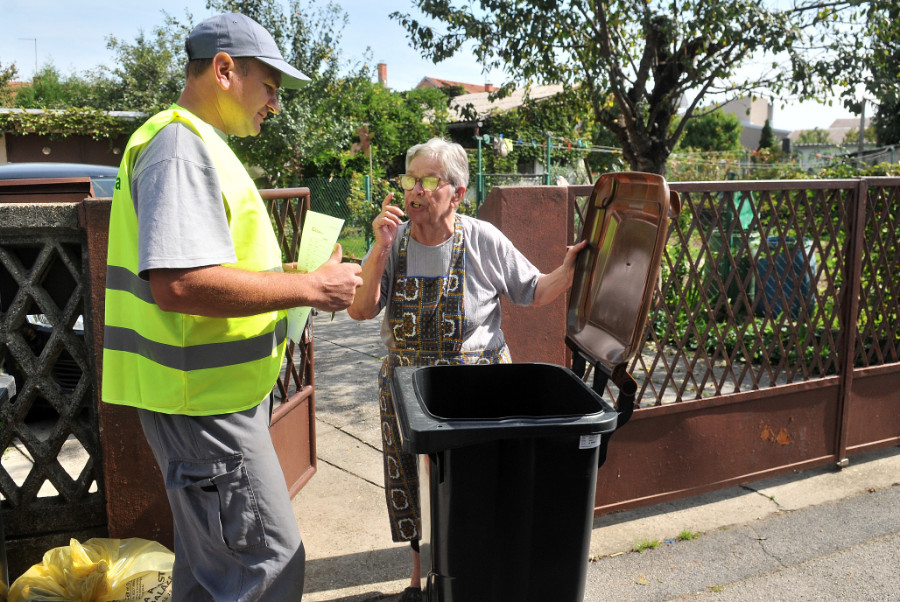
179,363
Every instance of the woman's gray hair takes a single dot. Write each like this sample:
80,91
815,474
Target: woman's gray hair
450,155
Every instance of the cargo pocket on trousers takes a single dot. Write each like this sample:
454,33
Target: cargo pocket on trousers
218,493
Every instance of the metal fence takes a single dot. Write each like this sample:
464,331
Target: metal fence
489,180
481,186
774,345
754,286
887,154
329,196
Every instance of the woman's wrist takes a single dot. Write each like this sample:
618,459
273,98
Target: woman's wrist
380,248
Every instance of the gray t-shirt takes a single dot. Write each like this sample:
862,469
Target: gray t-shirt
494,267
179,205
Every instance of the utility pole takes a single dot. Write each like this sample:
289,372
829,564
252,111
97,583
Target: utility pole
862,135
549,146
35,57
479,182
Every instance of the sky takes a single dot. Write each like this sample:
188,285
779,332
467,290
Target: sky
73,34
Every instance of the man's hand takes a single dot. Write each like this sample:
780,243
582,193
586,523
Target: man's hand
337,282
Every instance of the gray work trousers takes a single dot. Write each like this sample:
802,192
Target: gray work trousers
236,538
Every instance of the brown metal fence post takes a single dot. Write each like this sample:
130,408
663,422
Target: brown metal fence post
849,316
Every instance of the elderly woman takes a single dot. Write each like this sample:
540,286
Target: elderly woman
440,275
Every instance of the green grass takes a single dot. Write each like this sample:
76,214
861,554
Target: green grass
688,535
353,245
647,544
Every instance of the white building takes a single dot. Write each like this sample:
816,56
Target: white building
753,113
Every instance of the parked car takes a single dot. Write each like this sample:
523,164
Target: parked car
37,329
103,177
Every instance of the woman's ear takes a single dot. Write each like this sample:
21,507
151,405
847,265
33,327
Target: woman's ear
458,195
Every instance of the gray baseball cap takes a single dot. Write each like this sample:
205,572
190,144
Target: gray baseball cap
240,36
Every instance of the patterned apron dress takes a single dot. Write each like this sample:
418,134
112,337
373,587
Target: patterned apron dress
427,317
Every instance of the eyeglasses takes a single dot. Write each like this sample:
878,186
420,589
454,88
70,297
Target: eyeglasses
429,183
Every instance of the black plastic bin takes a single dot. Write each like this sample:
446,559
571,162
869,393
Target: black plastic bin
508,457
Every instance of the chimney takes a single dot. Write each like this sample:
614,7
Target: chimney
382,74
488,87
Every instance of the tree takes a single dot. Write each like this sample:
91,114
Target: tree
851,138
713,131
862,57
50,89
635,60
887,122
7,93
564,117
767,137
814,136
885,69
395,121
148,74
454,90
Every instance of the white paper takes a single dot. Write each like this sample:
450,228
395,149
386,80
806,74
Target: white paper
320,233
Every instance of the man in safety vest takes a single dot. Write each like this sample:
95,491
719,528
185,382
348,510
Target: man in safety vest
195,322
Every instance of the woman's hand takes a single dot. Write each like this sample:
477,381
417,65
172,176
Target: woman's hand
571,256
386,223
366,303
552,285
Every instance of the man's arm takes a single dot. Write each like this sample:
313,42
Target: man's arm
225,292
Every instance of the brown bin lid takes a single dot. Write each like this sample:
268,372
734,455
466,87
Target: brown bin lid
626,224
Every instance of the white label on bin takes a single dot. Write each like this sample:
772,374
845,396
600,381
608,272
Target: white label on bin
589,442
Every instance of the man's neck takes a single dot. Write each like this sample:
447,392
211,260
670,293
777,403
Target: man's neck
200,106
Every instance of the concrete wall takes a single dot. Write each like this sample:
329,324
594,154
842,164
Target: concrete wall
72,149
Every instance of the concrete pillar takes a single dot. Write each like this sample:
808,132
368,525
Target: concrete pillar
535,219
136,503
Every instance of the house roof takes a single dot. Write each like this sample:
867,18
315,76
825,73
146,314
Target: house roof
437,82
851,122
483,105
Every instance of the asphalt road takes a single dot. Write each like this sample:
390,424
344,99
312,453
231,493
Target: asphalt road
848,550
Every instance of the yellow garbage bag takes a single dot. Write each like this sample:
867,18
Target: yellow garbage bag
99,570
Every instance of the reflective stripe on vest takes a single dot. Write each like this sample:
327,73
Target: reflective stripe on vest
179,363
197,357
